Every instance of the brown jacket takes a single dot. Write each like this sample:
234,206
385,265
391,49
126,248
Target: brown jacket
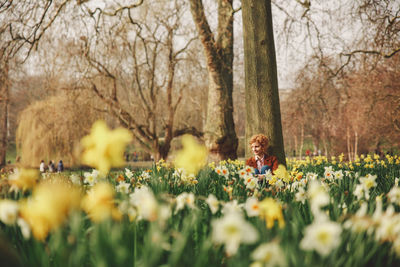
271,161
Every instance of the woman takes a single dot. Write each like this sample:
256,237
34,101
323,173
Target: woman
261,161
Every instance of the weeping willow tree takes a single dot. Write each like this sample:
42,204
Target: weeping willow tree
51,129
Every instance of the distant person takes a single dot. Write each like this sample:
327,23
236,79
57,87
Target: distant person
308,152
51,166
60,166
42,166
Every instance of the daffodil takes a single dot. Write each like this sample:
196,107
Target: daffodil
233,230
23,178
192,157
271,211
104,148
321,236
282,173
49,206
99,203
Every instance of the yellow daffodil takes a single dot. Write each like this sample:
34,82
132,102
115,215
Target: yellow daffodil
270,210
99,203
24,179
192,157
49,206
282,173
104,148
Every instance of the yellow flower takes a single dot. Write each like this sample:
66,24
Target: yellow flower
99,203
24,178
270,210
282,173
49,206
104,148
192,157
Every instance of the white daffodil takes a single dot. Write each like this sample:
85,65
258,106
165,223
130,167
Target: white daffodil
338,175
91,177
252,183
75,179
301,195
128,173
145,203
24,227
252,207
368,181
213,203
394,195
184,199
321,236
269,254
231,206
310,176
123,187
318,196
361,192
233,230
329,173
8,211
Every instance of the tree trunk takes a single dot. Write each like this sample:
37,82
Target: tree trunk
4,100
355,144
262,96
219,133
301,142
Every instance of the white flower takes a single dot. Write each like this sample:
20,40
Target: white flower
368,181
146,204
269,254
252,207
317,195
145,175
91,178
301,195
231,206
321,236
361,191
310,176
232,230
25,228
252,183
123,187
242,173
8,211
338,174
329,174
128,173
394,195
75,179
184,199
213,203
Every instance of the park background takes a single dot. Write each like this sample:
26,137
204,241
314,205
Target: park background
143,66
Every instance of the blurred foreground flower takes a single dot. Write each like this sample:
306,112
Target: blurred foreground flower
104,148
23,179
8,211
49,206
99,203
192,157
270,210
232,230
268,254
322,236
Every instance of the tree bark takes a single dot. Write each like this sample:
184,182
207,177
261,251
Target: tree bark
4,100
219,133
262,96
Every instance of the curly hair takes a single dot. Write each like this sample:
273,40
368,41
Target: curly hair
261,139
